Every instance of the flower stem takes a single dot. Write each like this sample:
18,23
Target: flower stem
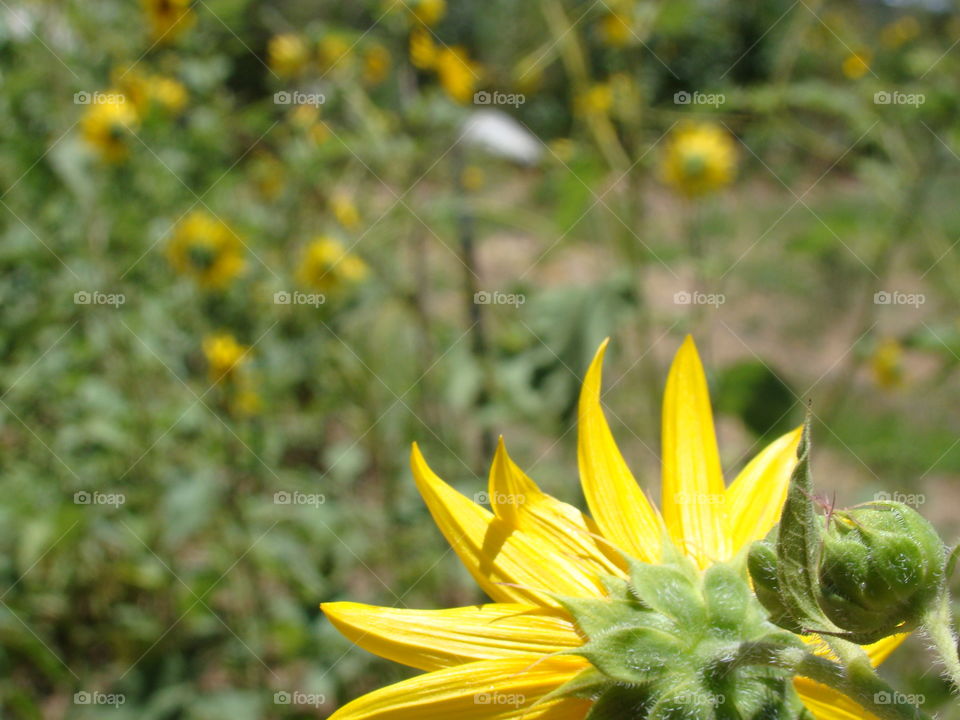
853,677
938,624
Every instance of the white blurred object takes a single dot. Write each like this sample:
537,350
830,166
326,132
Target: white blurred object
498,133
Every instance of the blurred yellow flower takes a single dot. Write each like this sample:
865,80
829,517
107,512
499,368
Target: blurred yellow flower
205,248
167,93
423,50
168,19
334,52
269,175
287,54
899,32
887,364
563,149
329,267
148,91
430,12
307,118
699,159
458,74
472,177
595,100
857,64
246,401
345,210
106,123
376,64
224,355
615,30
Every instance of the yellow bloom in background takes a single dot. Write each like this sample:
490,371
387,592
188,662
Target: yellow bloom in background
458,74
246,401
699,159
269,174
224,355
886,364
327,266
595,100
857,64
307,118
615,29
168,93
107,123
533,547
473,177
430,12
376,64
287,54
205,248
423,50
168,19
345,210
334,52
899,32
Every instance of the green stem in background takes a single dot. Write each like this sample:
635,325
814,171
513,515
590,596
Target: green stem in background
938,625
479,345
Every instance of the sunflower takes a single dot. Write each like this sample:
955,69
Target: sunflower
329,267
206,248
107,124
699,158
508,659
168,19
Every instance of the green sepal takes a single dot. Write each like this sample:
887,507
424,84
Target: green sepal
798,547
634,655
727,597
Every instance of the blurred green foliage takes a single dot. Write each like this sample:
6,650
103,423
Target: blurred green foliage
168,529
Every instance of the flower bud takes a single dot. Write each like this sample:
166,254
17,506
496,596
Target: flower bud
881,567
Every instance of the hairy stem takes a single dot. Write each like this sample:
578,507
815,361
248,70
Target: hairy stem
938,624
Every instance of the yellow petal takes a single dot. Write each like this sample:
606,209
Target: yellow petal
617,503
495,553
486,690
518,501
827,704
880,651
435,639
755,499
694,502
